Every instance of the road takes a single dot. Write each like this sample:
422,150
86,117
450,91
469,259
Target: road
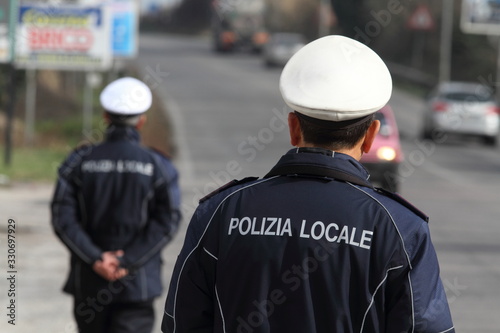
229,122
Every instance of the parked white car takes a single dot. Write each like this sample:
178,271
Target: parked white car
462,108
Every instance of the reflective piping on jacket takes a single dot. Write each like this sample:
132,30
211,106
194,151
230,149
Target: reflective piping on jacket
220,310
375,293
408,258
412,304
404,249
413,309
199,241
392,219
210,254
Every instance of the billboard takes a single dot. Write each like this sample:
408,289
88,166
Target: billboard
481,17
124,28
63,37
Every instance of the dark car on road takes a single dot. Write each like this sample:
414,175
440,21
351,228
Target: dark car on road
281,47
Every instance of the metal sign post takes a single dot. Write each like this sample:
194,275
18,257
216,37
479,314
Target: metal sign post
29,125
325,17
10,115
92,81
446,41
420,21
10,11
5,19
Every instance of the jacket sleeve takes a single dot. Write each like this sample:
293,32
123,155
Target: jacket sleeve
432,313
189,303
162,222
65,216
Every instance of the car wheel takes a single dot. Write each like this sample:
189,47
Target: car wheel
269,64
490,140
426,133
218,48
427,128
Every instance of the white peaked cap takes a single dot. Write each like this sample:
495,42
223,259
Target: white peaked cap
126,96
336,78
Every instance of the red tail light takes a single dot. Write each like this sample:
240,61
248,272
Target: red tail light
228,37
494,110
440,106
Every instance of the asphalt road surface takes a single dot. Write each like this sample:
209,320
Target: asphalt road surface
230,122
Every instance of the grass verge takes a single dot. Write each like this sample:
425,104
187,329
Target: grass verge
29,164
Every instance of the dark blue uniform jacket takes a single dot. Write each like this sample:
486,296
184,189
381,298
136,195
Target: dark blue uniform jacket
116,195
305,253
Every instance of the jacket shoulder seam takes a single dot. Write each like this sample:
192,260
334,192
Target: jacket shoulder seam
407,255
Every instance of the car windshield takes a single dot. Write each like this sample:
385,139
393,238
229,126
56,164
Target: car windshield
287,40
467,97
385,128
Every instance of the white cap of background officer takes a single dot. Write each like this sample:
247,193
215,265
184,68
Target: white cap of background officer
336,78
126,97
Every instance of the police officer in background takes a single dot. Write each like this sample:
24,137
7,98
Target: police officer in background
116,205
312,246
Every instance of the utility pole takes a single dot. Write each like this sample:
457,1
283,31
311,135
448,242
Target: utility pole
324,14
446,41
10,114
11,88
29,126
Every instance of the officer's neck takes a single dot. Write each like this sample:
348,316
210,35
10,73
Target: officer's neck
356,152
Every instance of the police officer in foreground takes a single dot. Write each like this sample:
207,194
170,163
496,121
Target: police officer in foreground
116,205
312,246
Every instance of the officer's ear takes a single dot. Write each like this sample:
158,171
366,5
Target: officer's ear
105,115
294,128
371,133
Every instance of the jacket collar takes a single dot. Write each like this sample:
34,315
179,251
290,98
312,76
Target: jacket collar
118,133
324,158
